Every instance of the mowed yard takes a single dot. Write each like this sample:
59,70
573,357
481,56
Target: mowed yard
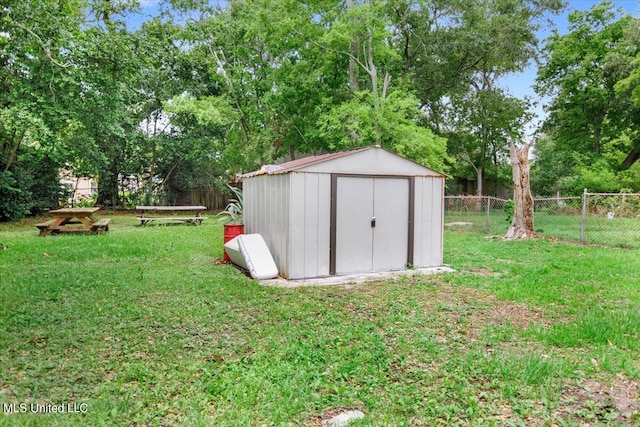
142,326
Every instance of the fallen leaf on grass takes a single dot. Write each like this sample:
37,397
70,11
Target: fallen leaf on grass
216,358
38,340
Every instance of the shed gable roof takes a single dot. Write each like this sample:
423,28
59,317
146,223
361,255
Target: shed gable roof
342,162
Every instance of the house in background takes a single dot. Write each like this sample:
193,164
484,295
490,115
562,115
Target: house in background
355,211
79,189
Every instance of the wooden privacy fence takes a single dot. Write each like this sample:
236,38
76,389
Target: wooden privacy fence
213,199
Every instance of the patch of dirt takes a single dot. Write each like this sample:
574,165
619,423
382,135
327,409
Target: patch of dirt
7,392
485,309
518,315
464,314
595,400
468,310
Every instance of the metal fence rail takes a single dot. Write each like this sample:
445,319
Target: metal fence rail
611,219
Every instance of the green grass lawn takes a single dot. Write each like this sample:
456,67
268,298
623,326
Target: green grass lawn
141,326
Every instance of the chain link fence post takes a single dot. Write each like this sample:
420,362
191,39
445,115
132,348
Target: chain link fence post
583,224
487,227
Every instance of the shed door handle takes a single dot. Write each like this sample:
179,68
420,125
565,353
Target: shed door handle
373,222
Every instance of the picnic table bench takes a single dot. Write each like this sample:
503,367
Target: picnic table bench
74,220
146,219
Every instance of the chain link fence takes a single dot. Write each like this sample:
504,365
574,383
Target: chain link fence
484,214
610,219
558,217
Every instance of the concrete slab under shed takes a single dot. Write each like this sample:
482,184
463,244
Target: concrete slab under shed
354,278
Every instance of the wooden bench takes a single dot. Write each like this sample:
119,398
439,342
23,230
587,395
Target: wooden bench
101,225
73,220
162,214
193,220
44,227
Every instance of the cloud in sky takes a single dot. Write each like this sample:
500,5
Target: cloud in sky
148,3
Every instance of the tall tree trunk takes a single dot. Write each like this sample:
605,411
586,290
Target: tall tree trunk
152,172
108,188
479,186
522,226
479,179
354,84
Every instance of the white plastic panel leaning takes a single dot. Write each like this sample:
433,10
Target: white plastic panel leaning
254,256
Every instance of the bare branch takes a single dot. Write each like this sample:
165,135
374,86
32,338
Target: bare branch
385,85
43,46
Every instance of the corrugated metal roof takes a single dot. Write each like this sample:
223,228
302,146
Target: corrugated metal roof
294,165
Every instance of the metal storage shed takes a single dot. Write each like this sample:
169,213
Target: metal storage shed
355,211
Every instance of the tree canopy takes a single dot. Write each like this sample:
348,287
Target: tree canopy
593,125
198,92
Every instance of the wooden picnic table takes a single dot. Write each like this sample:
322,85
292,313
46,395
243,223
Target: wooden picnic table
73,220
150,214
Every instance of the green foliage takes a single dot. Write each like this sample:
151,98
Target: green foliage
456,53
551,173
598,178
15,200
353,124
509,207
593,119
29,186
183,104
483,121
208,111
233,213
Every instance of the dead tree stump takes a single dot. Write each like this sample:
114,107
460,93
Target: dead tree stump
522,226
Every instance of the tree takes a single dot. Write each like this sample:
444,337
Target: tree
306,77
456,52
630,86
183,104
36,77
258,55
592,124
522,224
379,112
109,61
483,121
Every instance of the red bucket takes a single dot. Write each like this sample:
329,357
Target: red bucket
231,231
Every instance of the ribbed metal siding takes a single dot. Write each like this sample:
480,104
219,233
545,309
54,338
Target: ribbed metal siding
428,221
267,212
309,226
292,212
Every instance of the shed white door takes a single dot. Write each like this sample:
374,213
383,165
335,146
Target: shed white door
372,217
